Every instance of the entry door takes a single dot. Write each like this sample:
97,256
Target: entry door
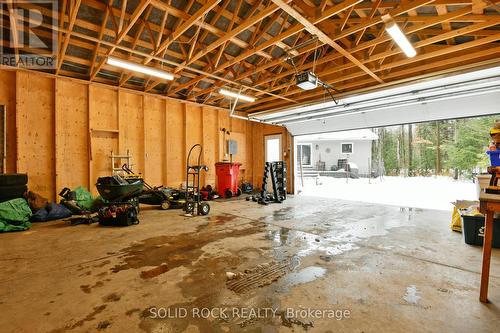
273,148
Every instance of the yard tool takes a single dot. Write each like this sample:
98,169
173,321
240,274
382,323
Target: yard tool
164,197
493,187
122,206
494,153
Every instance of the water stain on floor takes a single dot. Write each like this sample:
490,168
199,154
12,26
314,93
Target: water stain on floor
221,218
168,252
79,323
113,297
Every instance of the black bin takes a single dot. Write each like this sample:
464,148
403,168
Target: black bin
473,230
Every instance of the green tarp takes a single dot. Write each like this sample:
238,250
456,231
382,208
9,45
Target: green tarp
14,215
84,198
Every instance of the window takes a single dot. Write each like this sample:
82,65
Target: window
304,152
346,148
273,148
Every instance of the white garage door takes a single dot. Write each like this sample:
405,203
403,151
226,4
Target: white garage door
465,95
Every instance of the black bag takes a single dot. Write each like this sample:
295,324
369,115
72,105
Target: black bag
118,215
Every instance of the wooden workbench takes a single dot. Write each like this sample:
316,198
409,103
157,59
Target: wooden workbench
489,204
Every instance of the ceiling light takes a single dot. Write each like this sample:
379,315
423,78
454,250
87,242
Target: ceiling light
233,94
139,68
399,37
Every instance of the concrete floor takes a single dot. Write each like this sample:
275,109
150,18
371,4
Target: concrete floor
371,268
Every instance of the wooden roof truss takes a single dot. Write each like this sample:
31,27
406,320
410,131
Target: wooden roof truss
257,46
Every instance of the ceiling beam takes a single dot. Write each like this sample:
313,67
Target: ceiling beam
288,33
447,50
135,16
373,43
323,37
74,7
13,29
233,33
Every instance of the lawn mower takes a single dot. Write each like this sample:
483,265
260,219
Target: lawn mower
165,197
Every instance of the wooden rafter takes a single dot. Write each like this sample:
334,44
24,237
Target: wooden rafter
384,38
13,29
135,16
399,63
122,15
74,6
229,46
324,37
101,35
288,33
181,29
249,22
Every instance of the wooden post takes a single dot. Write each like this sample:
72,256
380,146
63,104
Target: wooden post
485,274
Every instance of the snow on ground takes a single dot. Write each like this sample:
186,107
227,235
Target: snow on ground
417,192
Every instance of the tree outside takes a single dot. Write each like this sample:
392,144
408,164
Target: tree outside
453,148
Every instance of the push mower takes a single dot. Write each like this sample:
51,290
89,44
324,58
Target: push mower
164,197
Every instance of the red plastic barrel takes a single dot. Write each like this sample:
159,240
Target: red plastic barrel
227,178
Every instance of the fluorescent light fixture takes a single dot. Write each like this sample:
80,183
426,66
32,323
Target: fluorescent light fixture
139,68
233,94
399,37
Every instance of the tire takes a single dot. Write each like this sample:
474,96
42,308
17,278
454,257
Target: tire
238,193
228,193
135,202
13,179
189,207
203,208
12,192
165,205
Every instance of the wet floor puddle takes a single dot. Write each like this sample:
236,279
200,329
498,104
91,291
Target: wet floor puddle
305,275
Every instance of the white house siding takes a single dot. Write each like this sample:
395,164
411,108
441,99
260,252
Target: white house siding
361,153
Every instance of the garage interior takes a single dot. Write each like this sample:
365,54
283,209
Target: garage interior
125,101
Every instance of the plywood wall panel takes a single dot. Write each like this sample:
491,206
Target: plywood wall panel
8,99
102,145
194,126
210,143
249,177
158,133
176,144
258,154
223,122
155,140
103,107
72,134
131,126
103,117
35,131
194,135
238,125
